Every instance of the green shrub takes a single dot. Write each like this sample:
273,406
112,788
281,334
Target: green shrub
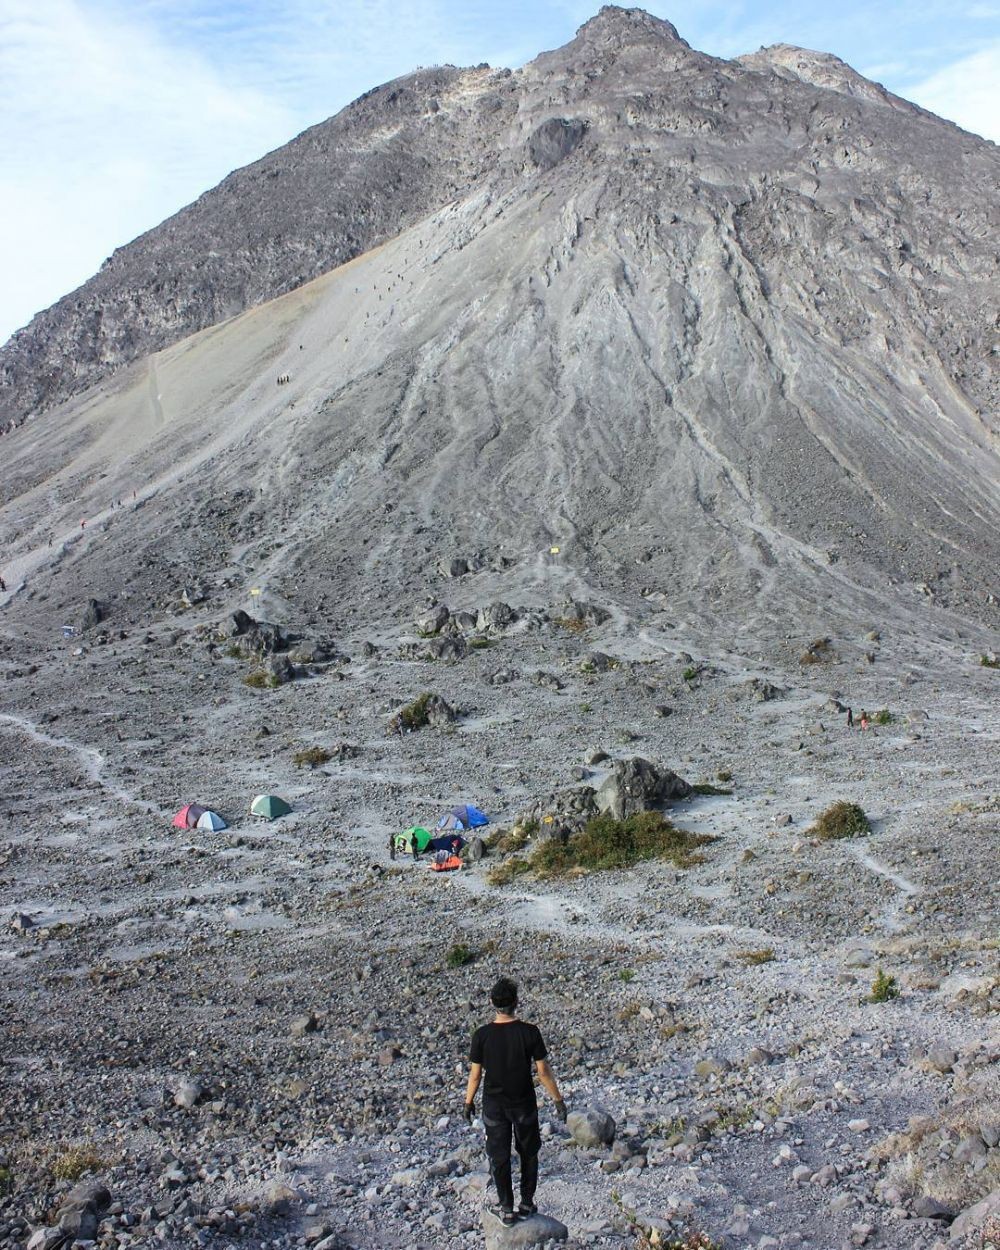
626,975
6,1180
690,673
311,757
479,643
71,1164
459,955
259,680
414,715
706,787
723,775
606,843
990,661
884,988
752,958
233,652
841,820
508,871
884,717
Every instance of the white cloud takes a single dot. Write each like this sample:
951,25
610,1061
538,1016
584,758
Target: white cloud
107,130
966,92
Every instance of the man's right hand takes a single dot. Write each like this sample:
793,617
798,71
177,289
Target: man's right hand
469,1110
561,1110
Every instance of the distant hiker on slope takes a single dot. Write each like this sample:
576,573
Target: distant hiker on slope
505,1049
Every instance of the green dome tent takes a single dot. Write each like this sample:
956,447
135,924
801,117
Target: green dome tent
414,835
269,806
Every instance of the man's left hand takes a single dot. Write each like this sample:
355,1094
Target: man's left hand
469,1110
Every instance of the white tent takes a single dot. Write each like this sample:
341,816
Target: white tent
210,820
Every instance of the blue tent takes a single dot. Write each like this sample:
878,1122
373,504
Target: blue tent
463,818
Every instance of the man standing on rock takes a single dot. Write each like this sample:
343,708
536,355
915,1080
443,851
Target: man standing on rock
506,1049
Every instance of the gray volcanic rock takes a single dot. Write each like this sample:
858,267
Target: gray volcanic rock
636,785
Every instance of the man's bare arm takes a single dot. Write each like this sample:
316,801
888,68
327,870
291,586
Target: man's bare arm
548,1080
475,1076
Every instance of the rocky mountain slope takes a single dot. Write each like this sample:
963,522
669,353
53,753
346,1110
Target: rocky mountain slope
692,321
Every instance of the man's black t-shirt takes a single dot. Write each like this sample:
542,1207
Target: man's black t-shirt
505,1052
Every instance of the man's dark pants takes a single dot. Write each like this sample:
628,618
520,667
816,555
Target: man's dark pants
521,1122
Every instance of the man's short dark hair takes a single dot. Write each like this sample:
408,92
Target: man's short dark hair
503,995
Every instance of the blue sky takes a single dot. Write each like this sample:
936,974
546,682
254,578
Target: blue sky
115,113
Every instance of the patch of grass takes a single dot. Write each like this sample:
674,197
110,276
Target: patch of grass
840,820
311,757
71,1164
507,841
459,955
414,715
629,1012
259,680
508,871
706,787
690,673
479,643
731,1118
570,623
233,652
884,717
752,958
884,989
989,661
626,975
6,1180
723,775
586,707
606,843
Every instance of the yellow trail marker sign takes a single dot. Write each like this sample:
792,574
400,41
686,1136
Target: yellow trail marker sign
255,590
553,551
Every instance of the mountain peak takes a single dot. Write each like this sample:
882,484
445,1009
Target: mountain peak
617,26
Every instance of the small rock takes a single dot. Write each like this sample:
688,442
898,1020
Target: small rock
279,1197
187,1094
302,1025
407,1179
858,1126
969,1149
925,1208
434,620
21,922
534,1231
591,1127
941,1059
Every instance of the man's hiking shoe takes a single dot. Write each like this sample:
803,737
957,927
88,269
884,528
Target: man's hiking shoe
525,1209
503,1214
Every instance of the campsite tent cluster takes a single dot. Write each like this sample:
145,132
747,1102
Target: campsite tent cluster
193,816
445,843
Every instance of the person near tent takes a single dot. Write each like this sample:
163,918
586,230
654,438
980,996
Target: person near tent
392,846
850,718
502,1052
